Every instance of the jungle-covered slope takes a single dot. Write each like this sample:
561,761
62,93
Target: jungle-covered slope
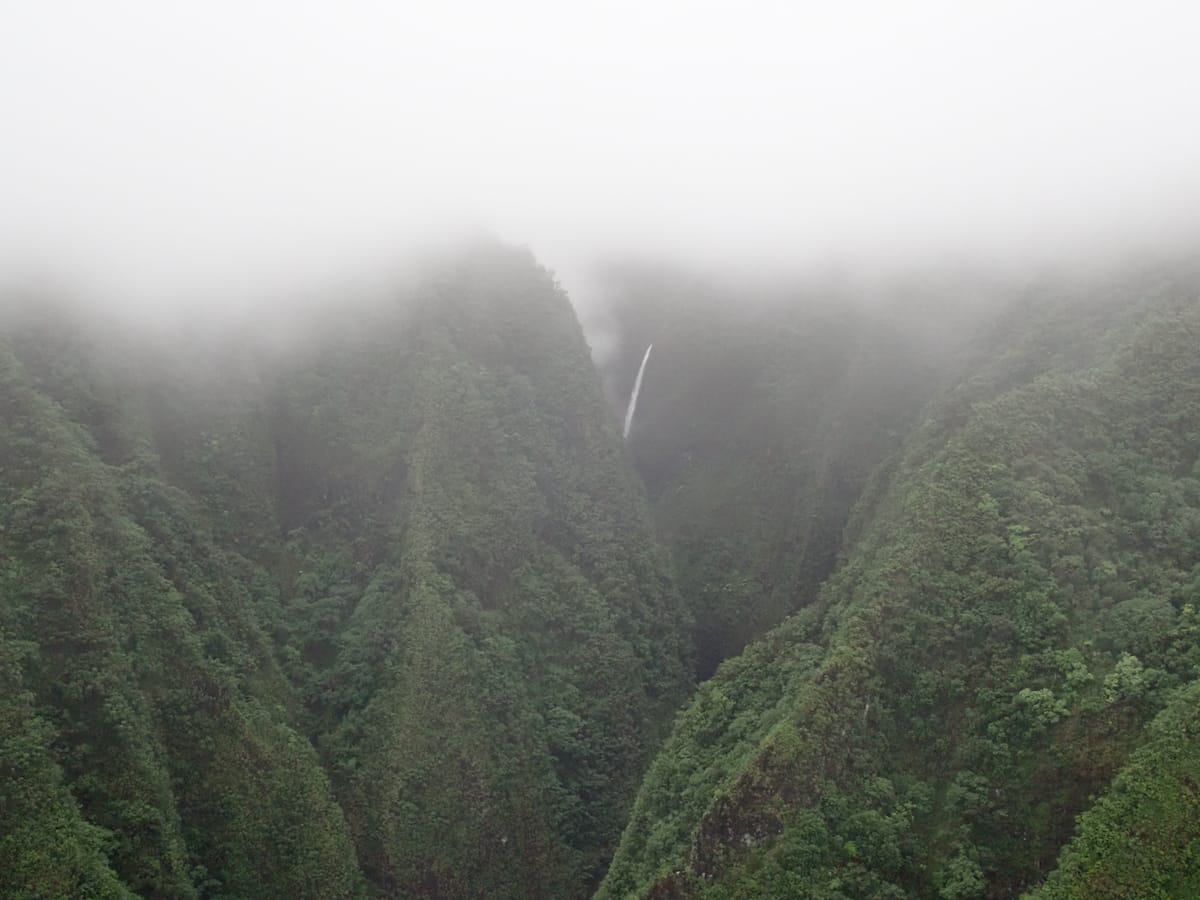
1011,642
766,407
366,601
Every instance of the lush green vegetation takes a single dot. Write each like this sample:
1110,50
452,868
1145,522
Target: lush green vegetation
1018,603
146,677
1141,838
370,602
372,606
765,411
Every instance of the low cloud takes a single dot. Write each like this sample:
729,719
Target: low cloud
159,151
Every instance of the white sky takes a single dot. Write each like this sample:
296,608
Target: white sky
161,143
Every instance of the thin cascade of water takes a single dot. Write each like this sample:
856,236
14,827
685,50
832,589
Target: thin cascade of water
637,389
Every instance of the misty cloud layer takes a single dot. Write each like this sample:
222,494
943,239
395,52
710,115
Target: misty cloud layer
154,145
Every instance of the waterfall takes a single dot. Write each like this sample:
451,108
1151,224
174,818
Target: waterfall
637,389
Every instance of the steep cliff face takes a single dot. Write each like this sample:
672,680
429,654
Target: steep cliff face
150,687
521,644
370,602
1017,607
377,606
764,412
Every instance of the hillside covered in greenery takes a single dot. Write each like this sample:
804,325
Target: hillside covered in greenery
373,605
1011,643
372,600
767,409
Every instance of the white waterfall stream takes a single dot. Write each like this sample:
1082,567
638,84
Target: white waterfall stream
637,389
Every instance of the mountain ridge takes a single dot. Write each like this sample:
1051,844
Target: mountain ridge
379,602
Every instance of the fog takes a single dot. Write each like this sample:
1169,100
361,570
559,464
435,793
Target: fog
154,152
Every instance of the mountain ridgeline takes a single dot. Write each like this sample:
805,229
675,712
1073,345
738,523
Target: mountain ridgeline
765,414
378,611
374,601
1009,642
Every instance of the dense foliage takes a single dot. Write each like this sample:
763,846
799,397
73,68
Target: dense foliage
369,602
152,706
1141,838
1018,604
765,410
